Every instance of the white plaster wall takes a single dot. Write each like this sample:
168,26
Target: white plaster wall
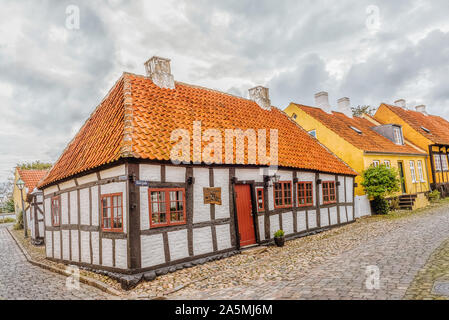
106,248
341,189
48,243
149,172
343,218
39,198
144,209
152,250
175,174
274,225
362,206
270,198
50,190
65,245
67,184
201,211
57,244
113,172
223,236
178,244
301,221
327,177
334,215
121,257
64,208
117,187
221,180
74,207
87,179
75,246
202,241
324,216
305,176
85,206
312,219
95,248
47,205
249,174
350,213
285,175
261,222
349,188
95,208
287,222
85,247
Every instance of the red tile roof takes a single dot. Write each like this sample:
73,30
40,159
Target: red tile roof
152,113
369,140
437,126
31,177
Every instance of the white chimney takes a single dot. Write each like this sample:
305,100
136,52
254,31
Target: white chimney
344,106
401,103
421,108
322,101
261,96
158,69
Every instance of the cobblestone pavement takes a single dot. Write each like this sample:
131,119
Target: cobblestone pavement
20,280
399,255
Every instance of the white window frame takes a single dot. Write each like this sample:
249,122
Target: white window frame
376,163
444,164
420,171
437,161
412,170
387,164
399,140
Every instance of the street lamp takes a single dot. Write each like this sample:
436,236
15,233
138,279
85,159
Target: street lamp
20,185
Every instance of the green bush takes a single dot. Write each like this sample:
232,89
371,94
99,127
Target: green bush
7,220
279,234
19,222
380,205
434,196
394,204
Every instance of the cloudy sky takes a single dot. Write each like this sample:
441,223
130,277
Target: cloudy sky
54,71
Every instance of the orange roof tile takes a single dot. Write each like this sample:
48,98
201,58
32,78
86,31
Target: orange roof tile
369,140
31,177
437,126
152,113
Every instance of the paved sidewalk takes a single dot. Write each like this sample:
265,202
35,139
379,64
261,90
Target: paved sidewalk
21,280
398,254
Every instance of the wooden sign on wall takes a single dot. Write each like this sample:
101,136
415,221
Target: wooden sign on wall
212,196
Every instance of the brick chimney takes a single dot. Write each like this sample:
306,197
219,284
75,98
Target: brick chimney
322,101
401,103
344,106
421,108
261,96
158,69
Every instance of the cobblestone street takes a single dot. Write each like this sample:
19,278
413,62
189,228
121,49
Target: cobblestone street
21,280
399,255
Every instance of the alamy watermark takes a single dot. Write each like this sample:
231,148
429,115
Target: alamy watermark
372,281
373,18
73,18
73,280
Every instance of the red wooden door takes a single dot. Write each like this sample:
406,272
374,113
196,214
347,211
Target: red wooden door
244,215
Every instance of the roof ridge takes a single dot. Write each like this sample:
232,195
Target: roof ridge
126,150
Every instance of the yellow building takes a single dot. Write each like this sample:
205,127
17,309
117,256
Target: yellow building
362,142
428,132
30,178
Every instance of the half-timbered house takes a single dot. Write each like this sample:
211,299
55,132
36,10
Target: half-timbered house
119,199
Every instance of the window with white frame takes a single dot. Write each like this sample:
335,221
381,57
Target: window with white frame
420,171
444,165
412,171
387,164
437,161
376,163
398,136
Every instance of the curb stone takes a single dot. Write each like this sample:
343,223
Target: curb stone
83,279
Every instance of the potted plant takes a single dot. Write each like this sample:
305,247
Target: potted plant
279,238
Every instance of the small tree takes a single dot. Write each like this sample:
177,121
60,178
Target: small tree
35,165
360,110
379,182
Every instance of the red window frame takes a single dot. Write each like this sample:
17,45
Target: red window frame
260,198
166,203
53,208
329,192
306,195
282,196
110,213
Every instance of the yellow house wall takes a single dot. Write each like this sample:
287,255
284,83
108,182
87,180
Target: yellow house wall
16,195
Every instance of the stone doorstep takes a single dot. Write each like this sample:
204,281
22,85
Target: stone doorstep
441,288
83,279
253,250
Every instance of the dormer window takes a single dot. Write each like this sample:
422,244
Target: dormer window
294,116
398,139
312,133
425,129
355,129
